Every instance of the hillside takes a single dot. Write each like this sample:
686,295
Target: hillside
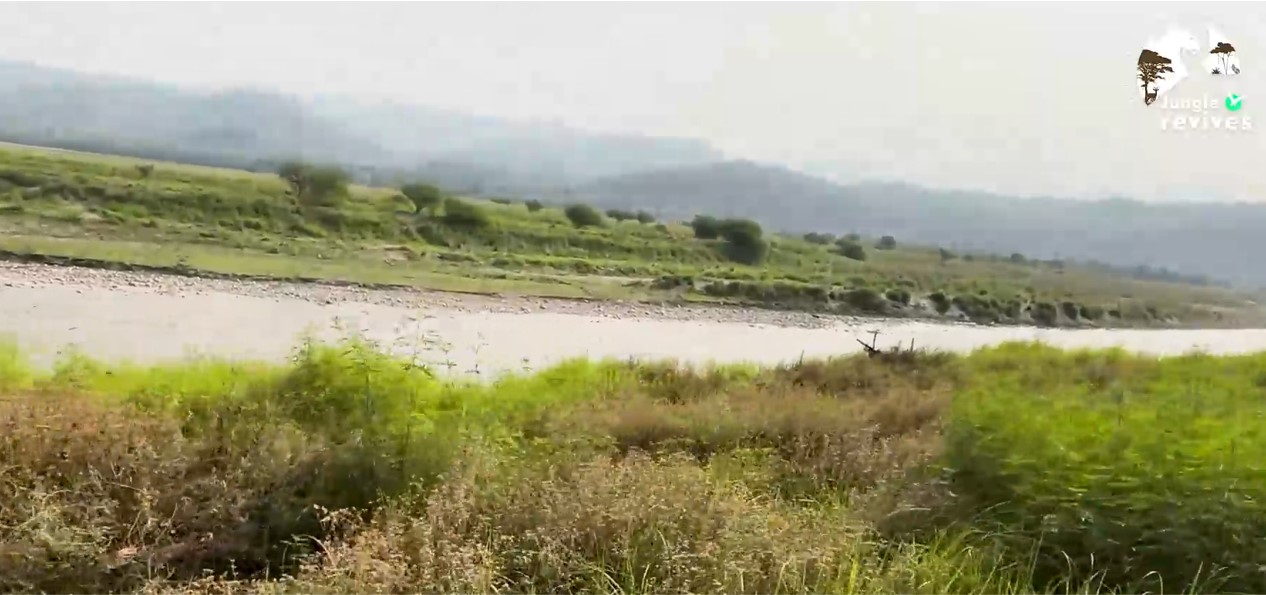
1195,239
108,211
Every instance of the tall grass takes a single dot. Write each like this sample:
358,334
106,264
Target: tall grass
1014,469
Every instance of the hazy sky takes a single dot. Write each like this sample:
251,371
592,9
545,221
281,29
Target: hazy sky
1026,98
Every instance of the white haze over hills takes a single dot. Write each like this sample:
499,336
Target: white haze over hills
968,125
1025,99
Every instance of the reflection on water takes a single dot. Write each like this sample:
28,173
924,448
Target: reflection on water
149,326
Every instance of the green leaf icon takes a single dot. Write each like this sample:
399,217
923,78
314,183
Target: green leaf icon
1234,102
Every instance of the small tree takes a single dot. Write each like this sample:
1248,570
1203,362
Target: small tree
739,231
315,185
424,197
582,215
851,250
744,243
533,205
886,243
706,227
459,213
645,217
818,238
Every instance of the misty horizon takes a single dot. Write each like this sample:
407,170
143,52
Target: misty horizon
913,93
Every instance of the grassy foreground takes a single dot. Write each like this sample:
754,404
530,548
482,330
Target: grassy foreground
113,210
1014,469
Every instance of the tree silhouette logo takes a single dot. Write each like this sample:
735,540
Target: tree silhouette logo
1224,54
1160,65
1152,68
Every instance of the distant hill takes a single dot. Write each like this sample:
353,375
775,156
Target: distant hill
380,142
385,144
1217,240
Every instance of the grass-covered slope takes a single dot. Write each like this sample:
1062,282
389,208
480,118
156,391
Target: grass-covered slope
1013,469
116,209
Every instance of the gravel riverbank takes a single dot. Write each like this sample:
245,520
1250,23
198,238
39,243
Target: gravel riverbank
42,275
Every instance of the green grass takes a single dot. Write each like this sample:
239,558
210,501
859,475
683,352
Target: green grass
1019,468
101,207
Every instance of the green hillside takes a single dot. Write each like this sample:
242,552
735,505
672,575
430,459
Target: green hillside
89,207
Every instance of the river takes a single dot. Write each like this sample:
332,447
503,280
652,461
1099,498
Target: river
120,324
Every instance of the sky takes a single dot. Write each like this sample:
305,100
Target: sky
1023,98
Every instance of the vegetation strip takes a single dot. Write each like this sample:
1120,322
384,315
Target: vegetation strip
307,218
1019,468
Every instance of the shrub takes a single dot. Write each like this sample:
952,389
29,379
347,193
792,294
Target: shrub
1071,310
621,215
645,217
423,196
313,185
706,227
976,307
459,213
743,239
582,215
819,238
1045,313
851,250
940,302
533,205
145,170
886,243
1091,312
899,295
738,231
866,299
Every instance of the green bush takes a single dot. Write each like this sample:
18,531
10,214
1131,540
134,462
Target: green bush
865,299
1109,468
582,215
533,205
851,250
423,196
621,215
1045,313
819,238
976,307
743,241
459,213
940,302
705,227
886,243
645,217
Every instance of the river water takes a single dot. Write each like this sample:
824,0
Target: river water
119,324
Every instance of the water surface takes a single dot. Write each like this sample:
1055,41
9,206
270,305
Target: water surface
114,324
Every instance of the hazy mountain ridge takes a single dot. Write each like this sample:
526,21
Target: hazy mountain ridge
1196,239
386,143
379,141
